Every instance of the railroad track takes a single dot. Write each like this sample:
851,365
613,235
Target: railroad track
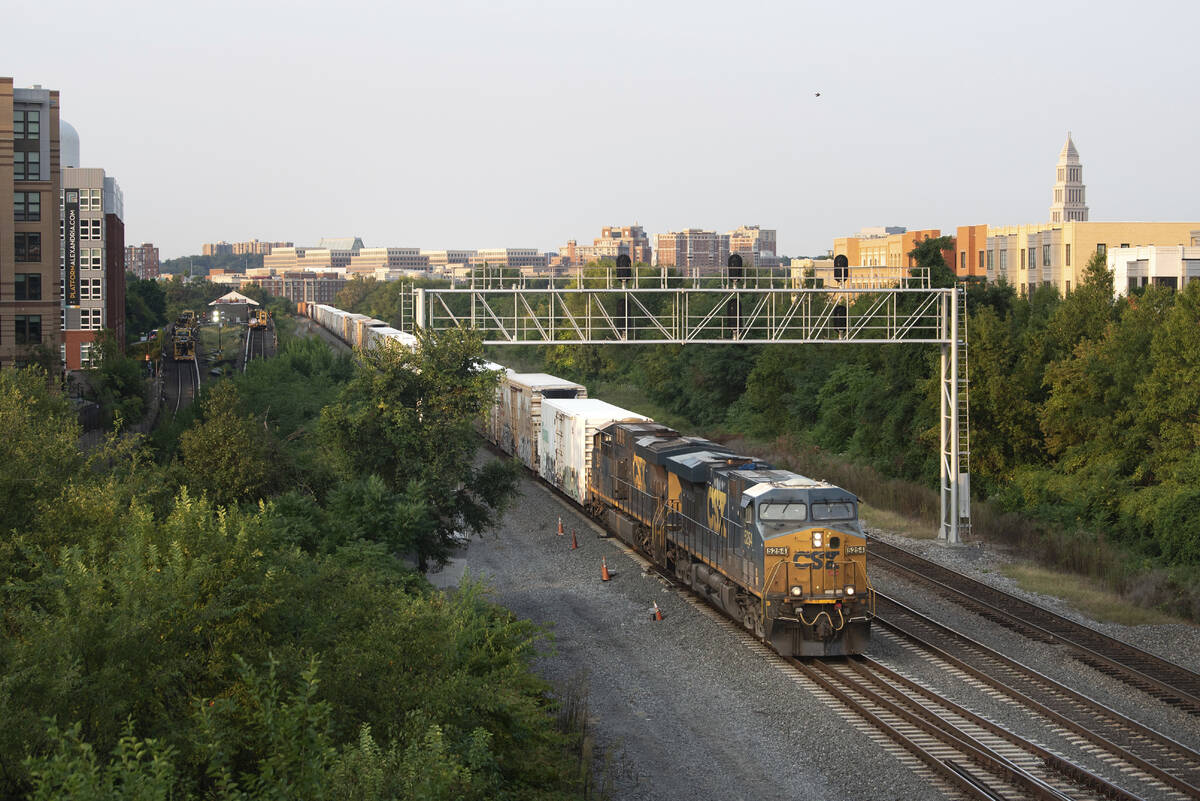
187,377
1170,683
975,756
1169,768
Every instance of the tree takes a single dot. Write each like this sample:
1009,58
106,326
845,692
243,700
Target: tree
39,446
928,254
229,456
145,306
408,417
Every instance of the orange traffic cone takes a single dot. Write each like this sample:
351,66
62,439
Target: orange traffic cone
560,526
604,569
574,542
657,612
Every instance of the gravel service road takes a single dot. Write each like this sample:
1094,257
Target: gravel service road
687,708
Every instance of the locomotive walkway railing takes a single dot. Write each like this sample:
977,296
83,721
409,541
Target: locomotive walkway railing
735,312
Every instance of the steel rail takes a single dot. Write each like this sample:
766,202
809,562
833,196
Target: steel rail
1162,679
1167,760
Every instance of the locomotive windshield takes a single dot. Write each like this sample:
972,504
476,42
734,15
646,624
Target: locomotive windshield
776,512
833,510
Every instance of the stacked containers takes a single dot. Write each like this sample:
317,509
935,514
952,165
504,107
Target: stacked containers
568,426
518,412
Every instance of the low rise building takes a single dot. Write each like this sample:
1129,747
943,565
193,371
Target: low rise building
299,286
373,262
1173,266
509,258
869,248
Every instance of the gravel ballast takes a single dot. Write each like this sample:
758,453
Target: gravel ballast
681,709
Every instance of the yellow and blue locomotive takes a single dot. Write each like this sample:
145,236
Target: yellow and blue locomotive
782,553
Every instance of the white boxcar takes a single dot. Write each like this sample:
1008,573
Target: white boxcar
518,413
565,441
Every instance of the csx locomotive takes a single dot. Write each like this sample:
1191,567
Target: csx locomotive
781,553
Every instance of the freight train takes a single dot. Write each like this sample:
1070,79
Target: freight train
781,553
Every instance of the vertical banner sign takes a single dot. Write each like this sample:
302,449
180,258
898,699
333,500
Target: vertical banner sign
71,234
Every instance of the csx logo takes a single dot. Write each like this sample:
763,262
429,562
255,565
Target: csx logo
716,511
821,560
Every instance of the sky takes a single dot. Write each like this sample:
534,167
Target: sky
452,124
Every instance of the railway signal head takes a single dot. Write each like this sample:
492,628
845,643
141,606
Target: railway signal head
624,266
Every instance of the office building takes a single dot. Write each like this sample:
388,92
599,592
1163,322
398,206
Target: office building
30,282
303,286
755,245
693,250
444,262
221,248
515,258
142,260
387,263
1055,254
614,241
92,209
256,248
876,247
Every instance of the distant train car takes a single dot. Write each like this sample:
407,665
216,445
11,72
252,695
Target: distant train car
780,552
258,318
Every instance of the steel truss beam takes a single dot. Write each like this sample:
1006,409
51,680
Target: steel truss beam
733,314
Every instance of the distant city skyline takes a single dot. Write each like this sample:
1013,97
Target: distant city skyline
470,125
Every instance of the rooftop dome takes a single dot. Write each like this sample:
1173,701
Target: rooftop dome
68,144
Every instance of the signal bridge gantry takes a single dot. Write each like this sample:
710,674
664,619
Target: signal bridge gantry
866,307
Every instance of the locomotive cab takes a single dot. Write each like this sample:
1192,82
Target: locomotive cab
817,599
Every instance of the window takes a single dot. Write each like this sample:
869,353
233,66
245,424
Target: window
96,289
29,247
962,261
1068,255
27,124
27,166
1102,248
95,229
27,206
1045,255
981,260
28,329
833,510
27,286
1022,258
771,512
1068,287
1004,261
991,260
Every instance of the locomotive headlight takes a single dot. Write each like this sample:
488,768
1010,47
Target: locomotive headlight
849,589
797,591
818,539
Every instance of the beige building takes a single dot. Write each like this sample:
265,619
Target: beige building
755,245
221,248
256,248
885,247
1174,266
693,250
614,241
509,257
31,288
445,262
1055,254
377,262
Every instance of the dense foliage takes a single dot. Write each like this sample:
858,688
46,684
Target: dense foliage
1084,409
182,627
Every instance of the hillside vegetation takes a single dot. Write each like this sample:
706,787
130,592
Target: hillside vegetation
1085,418
227,612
